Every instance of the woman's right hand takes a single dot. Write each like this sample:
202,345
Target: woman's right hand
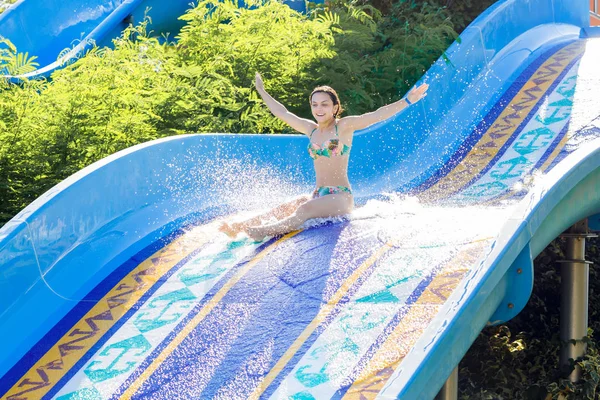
259,82
418,93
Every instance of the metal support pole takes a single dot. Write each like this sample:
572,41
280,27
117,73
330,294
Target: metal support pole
450,389
574,297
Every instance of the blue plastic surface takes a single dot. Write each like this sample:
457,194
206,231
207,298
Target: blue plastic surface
46,28
60,247
590,32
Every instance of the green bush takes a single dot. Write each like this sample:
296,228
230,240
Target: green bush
464,11
21,163
519,359
222,47
104,102
380,56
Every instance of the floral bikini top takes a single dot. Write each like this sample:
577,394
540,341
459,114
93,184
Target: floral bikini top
329,148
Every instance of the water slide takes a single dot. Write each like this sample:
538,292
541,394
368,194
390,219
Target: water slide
58,31
117,284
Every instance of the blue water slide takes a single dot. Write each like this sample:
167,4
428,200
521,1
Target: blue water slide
46,29
117,283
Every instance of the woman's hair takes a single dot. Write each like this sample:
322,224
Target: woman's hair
334,97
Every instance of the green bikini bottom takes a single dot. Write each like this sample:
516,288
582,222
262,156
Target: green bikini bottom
325,190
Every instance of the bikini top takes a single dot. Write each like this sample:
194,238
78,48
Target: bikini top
329,148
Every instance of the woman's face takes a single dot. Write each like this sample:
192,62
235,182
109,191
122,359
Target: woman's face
322,107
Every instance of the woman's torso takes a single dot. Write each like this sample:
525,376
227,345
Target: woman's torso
330,150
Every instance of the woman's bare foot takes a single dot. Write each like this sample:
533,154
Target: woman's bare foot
230,230
256,233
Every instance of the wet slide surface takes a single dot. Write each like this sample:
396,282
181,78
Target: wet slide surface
329,311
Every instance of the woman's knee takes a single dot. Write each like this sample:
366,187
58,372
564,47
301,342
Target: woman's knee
288,208
302,200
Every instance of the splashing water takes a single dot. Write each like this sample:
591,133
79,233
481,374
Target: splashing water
406,223
240,184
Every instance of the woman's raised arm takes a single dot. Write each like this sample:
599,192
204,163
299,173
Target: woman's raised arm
300,124
357,122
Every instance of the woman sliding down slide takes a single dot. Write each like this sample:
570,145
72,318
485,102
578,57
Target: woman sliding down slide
330,140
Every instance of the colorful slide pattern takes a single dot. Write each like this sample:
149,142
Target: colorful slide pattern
351,308
524,133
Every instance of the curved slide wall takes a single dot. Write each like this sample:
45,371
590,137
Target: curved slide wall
116,283
47,28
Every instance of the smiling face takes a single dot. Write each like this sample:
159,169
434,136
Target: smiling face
322,107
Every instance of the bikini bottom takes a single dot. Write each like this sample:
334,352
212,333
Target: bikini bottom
326,190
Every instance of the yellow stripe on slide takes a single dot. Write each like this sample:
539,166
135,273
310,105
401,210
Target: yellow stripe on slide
388,357
69,349
323,313
208,307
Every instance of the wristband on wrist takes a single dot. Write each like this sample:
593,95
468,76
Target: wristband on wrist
408,101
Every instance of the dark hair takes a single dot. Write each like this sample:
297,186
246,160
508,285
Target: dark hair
334,97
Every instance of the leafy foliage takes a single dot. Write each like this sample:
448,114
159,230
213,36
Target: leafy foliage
223,46
14,63
464,11
103,103
519,360
19,176
379,57
460,12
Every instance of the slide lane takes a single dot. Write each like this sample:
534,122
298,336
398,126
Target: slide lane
500,168
495,156
210,318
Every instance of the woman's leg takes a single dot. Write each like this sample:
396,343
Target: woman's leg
327,206
279,212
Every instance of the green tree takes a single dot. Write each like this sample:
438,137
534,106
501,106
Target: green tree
222,47
379,57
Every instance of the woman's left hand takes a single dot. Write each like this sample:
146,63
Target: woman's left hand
417,93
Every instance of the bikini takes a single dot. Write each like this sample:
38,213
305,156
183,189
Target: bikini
329,148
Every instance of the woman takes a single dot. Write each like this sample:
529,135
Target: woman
330,140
